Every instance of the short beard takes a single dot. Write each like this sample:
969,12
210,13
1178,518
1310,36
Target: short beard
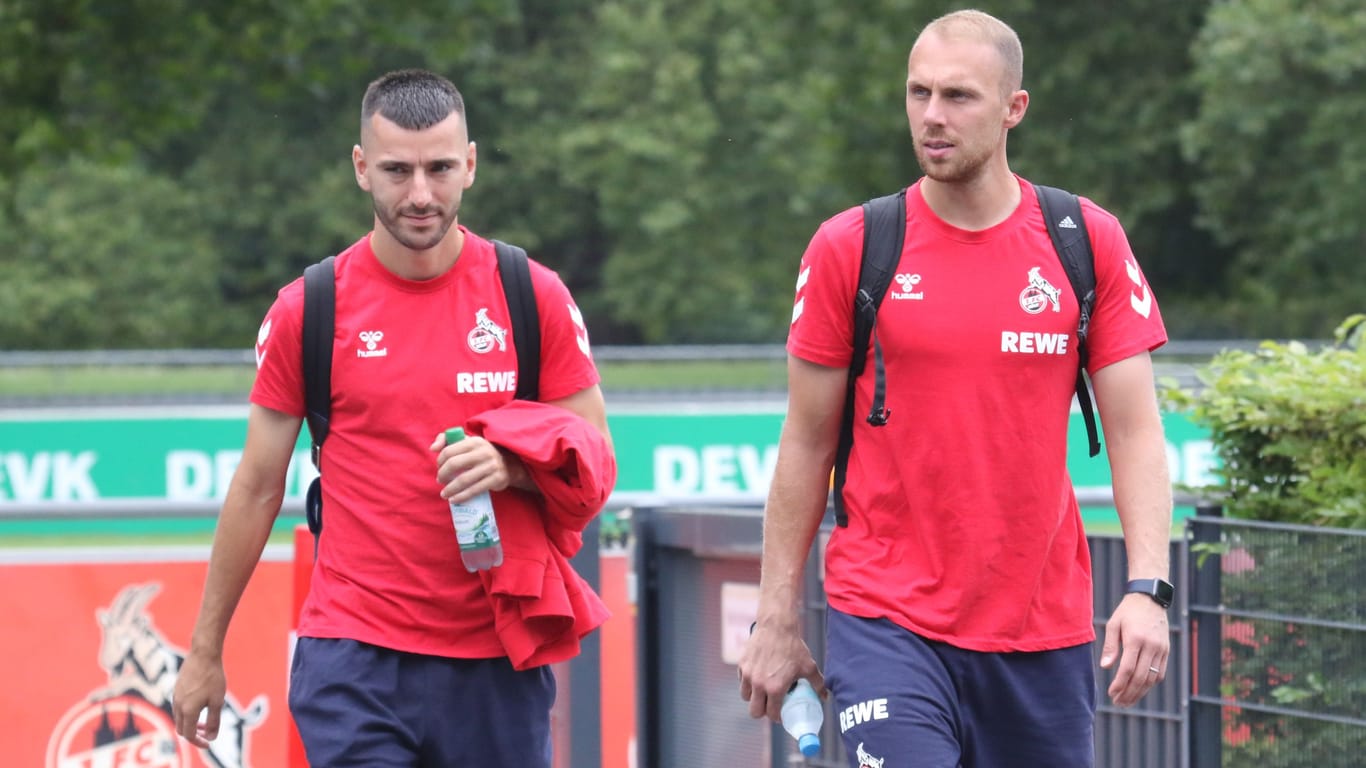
952,173
407,241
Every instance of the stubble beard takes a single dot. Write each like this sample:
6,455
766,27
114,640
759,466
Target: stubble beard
409,239
965,165
953,171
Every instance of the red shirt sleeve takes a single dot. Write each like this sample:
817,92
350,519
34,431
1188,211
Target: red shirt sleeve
1125,320
822,326
566,358
279,354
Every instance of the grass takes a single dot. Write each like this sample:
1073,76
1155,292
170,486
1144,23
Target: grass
234,382
692,375
125,380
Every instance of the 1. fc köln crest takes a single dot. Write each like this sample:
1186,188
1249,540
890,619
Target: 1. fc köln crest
127,723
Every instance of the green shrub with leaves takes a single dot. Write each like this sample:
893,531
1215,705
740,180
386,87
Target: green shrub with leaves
1289,424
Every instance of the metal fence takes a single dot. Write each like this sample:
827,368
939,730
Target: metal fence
1279,625
690,712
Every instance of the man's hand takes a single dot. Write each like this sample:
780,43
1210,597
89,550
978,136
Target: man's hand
1137,637
474,465
199,685
772,661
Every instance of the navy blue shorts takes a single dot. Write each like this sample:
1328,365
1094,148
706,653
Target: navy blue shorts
360,705
923,704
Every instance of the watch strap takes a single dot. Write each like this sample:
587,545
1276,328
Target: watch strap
1160,590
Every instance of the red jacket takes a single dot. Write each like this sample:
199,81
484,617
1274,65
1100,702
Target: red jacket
541,606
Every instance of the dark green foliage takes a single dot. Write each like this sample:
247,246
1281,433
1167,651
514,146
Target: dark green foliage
1276,137
86,271
670,159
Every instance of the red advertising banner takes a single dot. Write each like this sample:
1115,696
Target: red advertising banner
618,663
94,648
95,638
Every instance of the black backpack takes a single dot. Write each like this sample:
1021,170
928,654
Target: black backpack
884,233
320,308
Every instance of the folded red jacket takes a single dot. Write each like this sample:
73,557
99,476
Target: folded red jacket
542,607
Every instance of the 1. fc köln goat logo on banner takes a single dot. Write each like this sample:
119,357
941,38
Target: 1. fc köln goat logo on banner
127,723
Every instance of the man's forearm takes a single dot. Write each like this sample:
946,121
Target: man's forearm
1143,499
792,516
244,526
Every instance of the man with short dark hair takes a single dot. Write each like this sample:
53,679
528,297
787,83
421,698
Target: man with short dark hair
404,657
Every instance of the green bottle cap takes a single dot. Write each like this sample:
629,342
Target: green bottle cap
454,435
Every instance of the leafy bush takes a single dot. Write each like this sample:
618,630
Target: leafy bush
1289,425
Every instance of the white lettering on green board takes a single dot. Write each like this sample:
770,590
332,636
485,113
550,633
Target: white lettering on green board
1192,463
713,469
201,475
47,476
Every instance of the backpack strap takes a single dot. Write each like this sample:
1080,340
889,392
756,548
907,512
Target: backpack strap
884,234
526,324
320,307
1067,229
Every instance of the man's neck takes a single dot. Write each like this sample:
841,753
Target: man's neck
976,204
416,265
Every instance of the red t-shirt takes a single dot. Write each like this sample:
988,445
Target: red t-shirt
963,526
410,359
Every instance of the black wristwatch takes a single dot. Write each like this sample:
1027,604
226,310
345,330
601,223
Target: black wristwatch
1160,590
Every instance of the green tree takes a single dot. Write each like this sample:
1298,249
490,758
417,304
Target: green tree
1109,82
1277,140
671,159
248,108
719,135
712,134
84,273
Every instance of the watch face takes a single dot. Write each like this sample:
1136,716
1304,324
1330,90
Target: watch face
1164,592
1160,590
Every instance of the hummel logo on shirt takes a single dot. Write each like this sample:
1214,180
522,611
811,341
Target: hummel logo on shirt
372,348
1067,223
907,281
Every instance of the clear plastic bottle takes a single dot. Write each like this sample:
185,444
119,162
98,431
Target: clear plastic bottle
476,528
803,715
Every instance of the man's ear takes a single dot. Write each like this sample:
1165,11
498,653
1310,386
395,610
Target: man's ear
359,164
1016,108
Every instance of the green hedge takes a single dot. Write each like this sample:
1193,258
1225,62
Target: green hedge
1289,424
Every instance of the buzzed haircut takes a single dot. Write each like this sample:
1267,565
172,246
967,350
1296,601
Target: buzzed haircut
988,29
414,99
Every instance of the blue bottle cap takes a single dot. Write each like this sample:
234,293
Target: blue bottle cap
809,744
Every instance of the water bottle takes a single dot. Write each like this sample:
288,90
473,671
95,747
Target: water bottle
803,715
476,529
